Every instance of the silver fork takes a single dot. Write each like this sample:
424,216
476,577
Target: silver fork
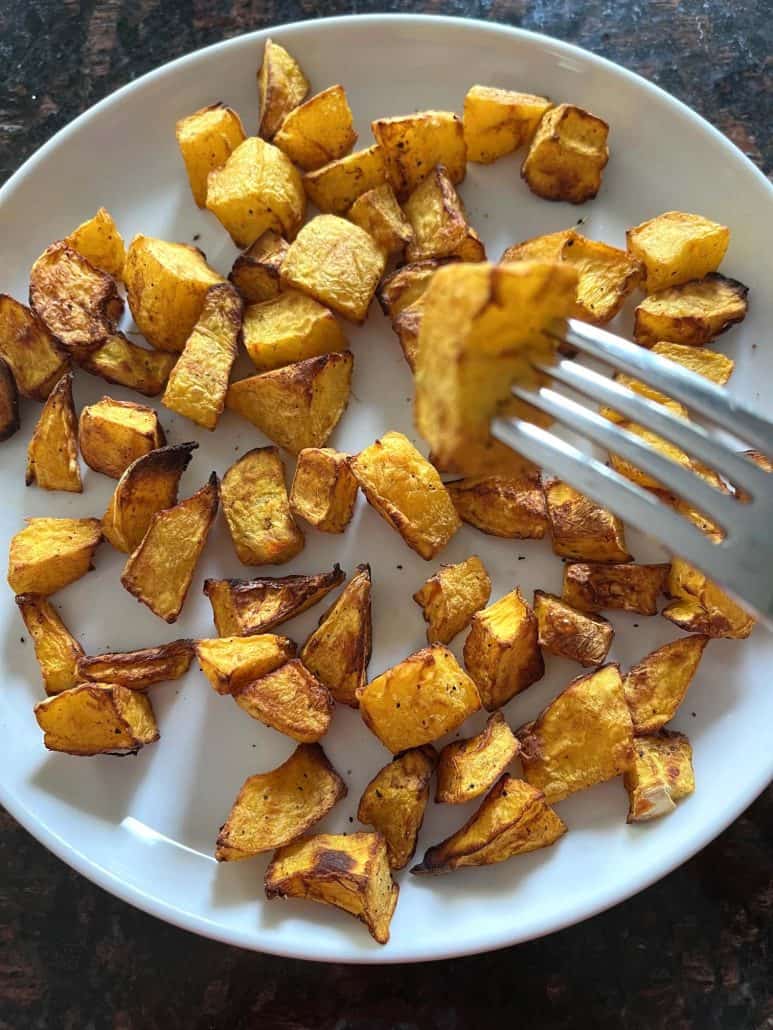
742,561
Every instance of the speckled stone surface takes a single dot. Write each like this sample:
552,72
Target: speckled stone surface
695,950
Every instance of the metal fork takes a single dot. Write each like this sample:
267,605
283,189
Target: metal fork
742,561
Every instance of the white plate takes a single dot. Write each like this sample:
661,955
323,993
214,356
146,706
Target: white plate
144,828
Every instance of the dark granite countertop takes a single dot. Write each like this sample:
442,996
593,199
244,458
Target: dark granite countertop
693,951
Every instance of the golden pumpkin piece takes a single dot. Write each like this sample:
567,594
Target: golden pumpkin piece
146,487
418,700
258,188
49,553
700,606
52,454
338,651
501,651
335,187
569,633
379,214
657,443
297,406
504,506
583,737
468,768
513,819
661,775
403,287
244,606
79,304
395,800
414,143
9,402
350,871
594,587
676,247
318,131
198,383
97,719
289,699
277,807
406,491
337,263
499,121
139,669
281,87
124,363
324,489
692,313
580,529
439,222
56,649
289,328
232,662
100,243
257,511
159,572
567,155
30,351
255,273
406,325
450,598
656,686
482,330
206,139
113,434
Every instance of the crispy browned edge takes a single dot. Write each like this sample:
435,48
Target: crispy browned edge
367,633
9,402
184,647
737,287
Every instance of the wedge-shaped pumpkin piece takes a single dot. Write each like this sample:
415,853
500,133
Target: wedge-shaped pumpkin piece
281,87
439,222
9,401
450,598
501,651
198,383
206,139
512,820
297,406
52,454
97,719
569,633
257,511
349,871
499,121
567,155
159,572
593,587
661,775
580,528
656,686
338,651
56,649
676,247
139,669
692,313
232,662
701,606
277,807
583,737
79,304
49,553
99,241
35,359
335,187
318,131
418,700
255,273
406,491
244,606
468,768
112,434
291,327
165,285
126,364
414,143
258,188
147,486
324,489
379,214
506,506
395,800
291,700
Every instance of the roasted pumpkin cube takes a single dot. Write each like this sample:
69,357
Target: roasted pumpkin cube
52,454
281,87
97,719
414,143
56,649
594,587
510,507
112,434
99,241
335,187
318,131
468,768
450,598
206,139
291,700
499,121
230,663
701,606
122,362
255,273
139,669
661,774
567,155
569,633
692,313
439,222
36,361
379,214
9,401
403,287
50,553
291,327
580,528
656,686
324,489
676,247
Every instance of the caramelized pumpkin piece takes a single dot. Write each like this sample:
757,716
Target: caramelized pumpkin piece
468,768
567,155
9,401
506,506
569,633
580,528
413,144
112,434
676,247
34,357
97,719
99,241
700,606
232,662
122,362
335,187
661,774
451,597
318,131
255,273
692,313
324,489
52,454
656,686
291,700
49,553
633,588
139,669
206,139
439,222
56,649
281,87
499,121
